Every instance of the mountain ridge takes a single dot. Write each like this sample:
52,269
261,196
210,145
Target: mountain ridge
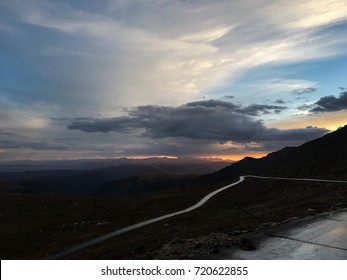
324,157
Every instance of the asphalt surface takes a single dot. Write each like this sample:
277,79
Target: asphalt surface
92,242
322,239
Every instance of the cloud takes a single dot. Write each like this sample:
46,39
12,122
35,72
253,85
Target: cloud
330,103
284,85
304,107
213,120
65,59
130,53
212,104
229,96
300,134
7,133
8,144
257,109
251,110
304,90
279,101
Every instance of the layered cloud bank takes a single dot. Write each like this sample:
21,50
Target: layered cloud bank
208,120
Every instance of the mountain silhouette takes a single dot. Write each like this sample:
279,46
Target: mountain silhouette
324,158
125,178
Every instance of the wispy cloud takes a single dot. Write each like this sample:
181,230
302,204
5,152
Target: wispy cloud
283,85
141,63
304,90
75,58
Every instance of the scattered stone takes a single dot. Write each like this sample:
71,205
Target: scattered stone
247,244
139,249
215,250
177,241
290,220
189,248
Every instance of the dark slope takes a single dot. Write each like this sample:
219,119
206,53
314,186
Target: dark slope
11,187
134,176
325,157
144,184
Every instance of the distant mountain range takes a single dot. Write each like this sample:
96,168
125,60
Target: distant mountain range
120,177
88,164
324,158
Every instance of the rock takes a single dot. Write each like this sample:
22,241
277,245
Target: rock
177,241
247,244
198,245
215,250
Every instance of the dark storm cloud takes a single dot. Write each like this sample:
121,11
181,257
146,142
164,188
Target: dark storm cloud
197,122
300,134
257,109
304,107
251,110
212,103
8,144
203,120
304,90
119,124
229,96
331,103
191,121
5,133
64,139
279,101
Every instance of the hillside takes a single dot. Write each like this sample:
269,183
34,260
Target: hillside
37,226
10,187
145,183
325,157
130,176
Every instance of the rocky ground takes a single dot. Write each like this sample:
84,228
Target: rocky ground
34,227
227,220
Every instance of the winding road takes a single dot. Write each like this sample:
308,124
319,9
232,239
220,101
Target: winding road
160,218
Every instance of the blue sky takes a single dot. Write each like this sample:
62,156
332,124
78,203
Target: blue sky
90,79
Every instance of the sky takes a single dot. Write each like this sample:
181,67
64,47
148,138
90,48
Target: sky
183,78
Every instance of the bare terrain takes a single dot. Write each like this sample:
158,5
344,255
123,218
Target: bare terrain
37,226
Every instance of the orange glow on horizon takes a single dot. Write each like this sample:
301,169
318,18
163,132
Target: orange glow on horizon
237,157
145,157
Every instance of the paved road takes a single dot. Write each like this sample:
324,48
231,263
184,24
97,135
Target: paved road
295,179
323,239
144,223
154,220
